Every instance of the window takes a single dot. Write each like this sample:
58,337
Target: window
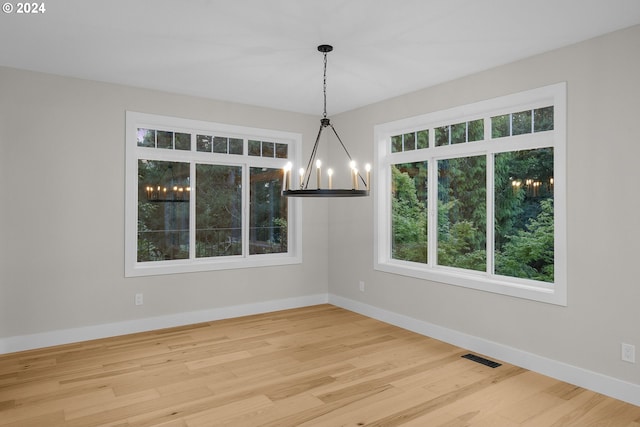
206,196
474,196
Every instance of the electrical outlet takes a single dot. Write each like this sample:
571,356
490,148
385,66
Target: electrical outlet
628,352
361,286
139,300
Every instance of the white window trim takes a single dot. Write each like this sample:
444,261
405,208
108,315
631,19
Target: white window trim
135,120
555,95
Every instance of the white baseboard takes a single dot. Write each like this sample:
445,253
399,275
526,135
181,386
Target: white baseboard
66,336
613,387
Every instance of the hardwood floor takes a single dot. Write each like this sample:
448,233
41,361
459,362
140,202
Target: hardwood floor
314,366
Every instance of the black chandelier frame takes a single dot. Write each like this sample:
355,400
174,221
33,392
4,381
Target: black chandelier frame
304,190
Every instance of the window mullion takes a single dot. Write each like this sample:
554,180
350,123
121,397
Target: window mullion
510,124
533,120
246,211
432,203
432,212
192,211
432,137
487,128
490,221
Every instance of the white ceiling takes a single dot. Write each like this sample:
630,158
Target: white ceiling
263,52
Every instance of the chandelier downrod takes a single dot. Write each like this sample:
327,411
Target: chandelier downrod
325,48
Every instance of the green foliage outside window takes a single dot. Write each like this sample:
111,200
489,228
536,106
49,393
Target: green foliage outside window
409,212
523,213
462,213
524,235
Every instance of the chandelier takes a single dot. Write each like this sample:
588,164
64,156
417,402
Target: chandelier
303,190
173,189
173,194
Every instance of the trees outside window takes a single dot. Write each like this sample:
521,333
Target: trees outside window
409,212
218,210
524,194
268,212
462,219
481,202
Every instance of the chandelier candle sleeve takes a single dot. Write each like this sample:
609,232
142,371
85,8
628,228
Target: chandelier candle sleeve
318,174
287,176
284,179
330,175
301,172
367,167
354,174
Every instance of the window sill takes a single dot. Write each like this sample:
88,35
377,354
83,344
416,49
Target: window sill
519,288
158,268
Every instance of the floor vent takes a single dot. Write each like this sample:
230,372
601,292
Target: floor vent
482,360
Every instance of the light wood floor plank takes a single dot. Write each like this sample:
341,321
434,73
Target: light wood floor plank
314,366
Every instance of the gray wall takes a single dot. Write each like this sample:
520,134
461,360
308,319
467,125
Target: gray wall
603,78
62,157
